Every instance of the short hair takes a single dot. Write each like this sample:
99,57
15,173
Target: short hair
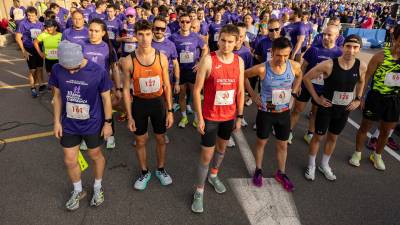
274,20
143,25
100,3
396,32
49,14
54,5
31,9
146,6
281,43
77,11
241,25
160,18
184,15
231,30
297,12
112,6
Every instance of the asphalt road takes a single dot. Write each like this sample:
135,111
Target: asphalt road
34,184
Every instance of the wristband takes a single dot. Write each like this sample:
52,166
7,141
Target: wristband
108,120
170,110
240,116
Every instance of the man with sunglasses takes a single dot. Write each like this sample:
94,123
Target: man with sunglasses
312,57
263,49
190,47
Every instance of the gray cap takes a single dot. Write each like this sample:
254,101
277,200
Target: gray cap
70,55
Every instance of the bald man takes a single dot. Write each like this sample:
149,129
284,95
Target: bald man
313,56
196,27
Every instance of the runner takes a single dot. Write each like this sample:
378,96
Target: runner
382,103
147,69
188,45
114,26
99,12
28,30
297,33
78,33
82,111
312,57
127,35
220,76
341,76
280,79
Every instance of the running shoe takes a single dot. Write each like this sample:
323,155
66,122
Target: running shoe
307,137
142,181
231,143
110,142
176,107
355,159
166,139
98,198
133,143
34,93
164,178
377,160
310,173
189,109
249,102
258,179
284,180
195,123
219,187
197,204
290,139
42,88
327,171
83,146
372,143
392,144
73,202
184,121
244,123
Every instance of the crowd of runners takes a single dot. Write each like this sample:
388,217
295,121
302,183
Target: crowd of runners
147,60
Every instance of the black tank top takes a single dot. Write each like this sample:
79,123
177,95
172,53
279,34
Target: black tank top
341,80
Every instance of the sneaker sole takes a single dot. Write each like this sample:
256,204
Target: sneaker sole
322,171
371,159
197,211
163,184
284,187
209,181
353,164
83,195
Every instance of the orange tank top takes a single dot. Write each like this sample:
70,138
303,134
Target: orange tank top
147,80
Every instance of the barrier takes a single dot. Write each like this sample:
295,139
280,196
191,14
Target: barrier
375,38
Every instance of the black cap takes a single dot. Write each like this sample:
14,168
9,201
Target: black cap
353,38
50,23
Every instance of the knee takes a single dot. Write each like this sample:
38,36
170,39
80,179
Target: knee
71,162
281,146
95,154
141,142
331,138
160,139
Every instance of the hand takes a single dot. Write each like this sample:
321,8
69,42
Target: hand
131,125
41,54
106,132
257,100
26,54
238,125
353,105
170,120
201,126
323,101
195,67
58,130
177,88
118,94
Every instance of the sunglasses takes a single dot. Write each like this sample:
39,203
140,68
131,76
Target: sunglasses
130,16
263,25
159,29
273,29
185,21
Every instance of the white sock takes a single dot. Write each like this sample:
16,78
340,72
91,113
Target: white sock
200,190
325,160
97,184
375,134
376,154
391,132
183,114
78,186
311,160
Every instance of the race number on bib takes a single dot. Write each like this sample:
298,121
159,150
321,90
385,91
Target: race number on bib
35,33
281,96
216,36
52,54
111,35
319,80
342,98
149,85
392,79
224,97
129,47
186,57
78,111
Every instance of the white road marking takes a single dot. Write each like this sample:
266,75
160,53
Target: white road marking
5,84
387,149
11,60
17,74
270,204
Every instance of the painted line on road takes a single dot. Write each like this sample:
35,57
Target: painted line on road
29,137
6,86
270,204
387,149
11,60
17,74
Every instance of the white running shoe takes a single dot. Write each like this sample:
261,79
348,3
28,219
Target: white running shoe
327,171
244,123
310,173
231,143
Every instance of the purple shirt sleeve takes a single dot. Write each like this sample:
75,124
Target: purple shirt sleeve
105,82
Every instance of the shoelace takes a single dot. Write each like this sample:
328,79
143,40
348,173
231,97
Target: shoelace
164,173
141,178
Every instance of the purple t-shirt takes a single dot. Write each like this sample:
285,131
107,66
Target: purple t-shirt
86,13
188,48
168,48
308,31
82,106
294,30
20,10
93,15
76,36
263,49
128,47
204,28
98,54
317,42
29,31
114,28
174,26
245,53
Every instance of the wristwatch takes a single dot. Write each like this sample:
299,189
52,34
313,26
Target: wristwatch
108,120
170,110
240,116
358,98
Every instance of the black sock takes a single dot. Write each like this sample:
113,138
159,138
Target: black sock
144,172
161,169
258,171
309,132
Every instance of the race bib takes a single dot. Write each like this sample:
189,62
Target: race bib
111,35
216,36
281,96
392,79
78,111
129,47
52,54
186,57
224,97
149,85
35,33
342,98
18,14
319,80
